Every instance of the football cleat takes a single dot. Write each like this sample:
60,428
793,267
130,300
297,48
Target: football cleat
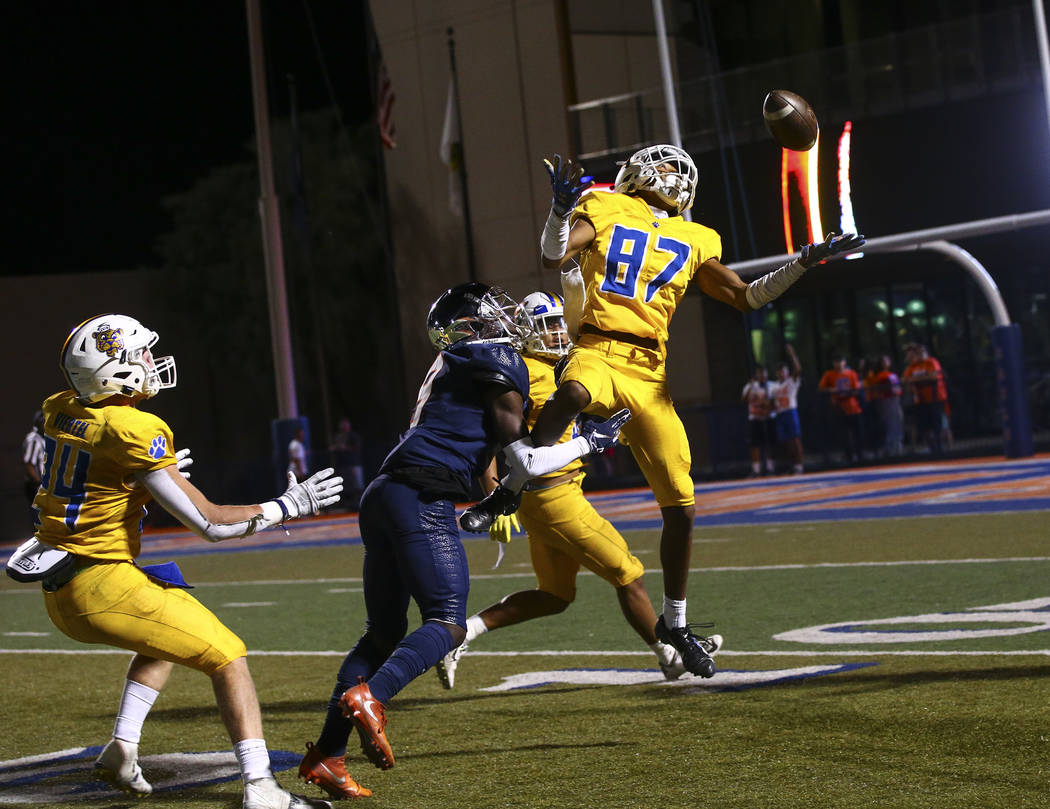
266,793
329,773
695,650
674,669
118,764
369,715
446,666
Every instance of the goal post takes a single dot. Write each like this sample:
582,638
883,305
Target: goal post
1006,336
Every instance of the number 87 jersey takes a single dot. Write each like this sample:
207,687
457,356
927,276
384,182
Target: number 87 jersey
88,502
639,264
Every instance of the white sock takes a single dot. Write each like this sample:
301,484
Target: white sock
135,704
664,652
475,627
755,467
253,758
769,466
674,612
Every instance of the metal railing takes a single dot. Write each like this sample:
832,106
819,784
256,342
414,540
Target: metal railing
923,67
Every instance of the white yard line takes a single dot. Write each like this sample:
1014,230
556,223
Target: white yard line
613,653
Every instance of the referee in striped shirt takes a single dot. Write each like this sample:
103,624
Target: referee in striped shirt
33,456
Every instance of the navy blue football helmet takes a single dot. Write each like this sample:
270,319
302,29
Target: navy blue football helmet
476,312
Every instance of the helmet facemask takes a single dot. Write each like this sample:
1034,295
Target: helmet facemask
664,170
110,355
545,314
476,313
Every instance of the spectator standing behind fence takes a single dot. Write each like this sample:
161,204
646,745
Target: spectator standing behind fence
926,379
33,456
346,458
882,388
841,382
760,411
785,400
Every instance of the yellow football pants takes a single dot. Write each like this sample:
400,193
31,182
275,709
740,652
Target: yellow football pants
565,533
619,375
118,605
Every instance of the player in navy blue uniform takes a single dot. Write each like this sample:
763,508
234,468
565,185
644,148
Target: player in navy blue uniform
470,405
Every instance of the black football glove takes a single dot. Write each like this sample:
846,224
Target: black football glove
501,501
603,433
567,183
832,246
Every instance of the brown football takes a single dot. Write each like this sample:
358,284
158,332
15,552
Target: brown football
790,120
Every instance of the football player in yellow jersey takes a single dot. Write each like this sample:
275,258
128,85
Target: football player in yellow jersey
565,531
637,255
105,460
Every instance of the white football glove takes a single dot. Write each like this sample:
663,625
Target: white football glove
315,493
183,461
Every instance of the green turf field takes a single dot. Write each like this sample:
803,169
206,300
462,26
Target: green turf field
914,723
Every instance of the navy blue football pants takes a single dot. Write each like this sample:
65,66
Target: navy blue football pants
412,551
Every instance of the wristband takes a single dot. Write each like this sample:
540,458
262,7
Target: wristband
555,239
774,284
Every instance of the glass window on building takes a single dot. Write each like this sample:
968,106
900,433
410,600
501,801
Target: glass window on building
908,306
874,323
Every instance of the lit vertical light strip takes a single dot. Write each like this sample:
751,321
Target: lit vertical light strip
784,172
847,223
803,166
812,196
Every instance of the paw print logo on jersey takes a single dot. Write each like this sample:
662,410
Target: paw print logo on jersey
108,341
158,447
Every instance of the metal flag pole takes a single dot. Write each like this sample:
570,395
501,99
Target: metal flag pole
269,213
670,99
471,264
1044,50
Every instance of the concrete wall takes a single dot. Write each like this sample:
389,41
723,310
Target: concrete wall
513,109
37,313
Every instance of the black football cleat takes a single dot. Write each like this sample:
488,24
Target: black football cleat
695,650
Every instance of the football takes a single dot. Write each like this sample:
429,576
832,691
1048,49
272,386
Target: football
790,120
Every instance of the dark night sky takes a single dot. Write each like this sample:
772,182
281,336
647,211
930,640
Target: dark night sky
110,106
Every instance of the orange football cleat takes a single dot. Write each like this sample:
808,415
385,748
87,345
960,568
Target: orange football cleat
329,773
369,715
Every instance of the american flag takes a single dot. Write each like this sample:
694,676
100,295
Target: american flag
385,109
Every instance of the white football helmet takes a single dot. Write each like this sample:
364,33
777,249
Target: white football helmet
110,354
665,170
546,312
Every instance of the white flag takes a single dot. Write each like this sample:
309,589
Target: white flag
451,151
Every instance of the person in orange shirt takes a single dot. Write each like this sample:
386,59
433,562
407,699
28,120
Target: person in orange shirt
842,384
882,388
926,379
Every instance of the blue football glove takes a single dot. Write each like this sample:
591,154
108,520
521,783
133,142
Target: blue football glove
567,182
501,501
832,246
603,433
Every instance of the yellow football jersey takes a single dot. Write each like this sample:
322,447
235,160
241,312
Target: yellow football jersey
541,388
638,267
88,502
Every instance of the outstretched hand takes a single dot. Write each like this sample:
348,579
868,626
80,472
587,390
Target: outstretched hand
834,245
479,518
567,182
603,433
183,461
311,495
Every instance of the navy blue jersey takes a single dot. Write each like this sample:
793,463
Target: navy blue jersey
449,428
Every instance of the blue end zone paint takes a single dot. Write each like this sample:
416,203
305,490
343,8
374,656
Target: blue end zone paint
80,765
963,488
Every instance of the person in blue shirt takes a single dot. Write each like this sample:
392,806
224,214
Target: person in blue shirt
471,404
